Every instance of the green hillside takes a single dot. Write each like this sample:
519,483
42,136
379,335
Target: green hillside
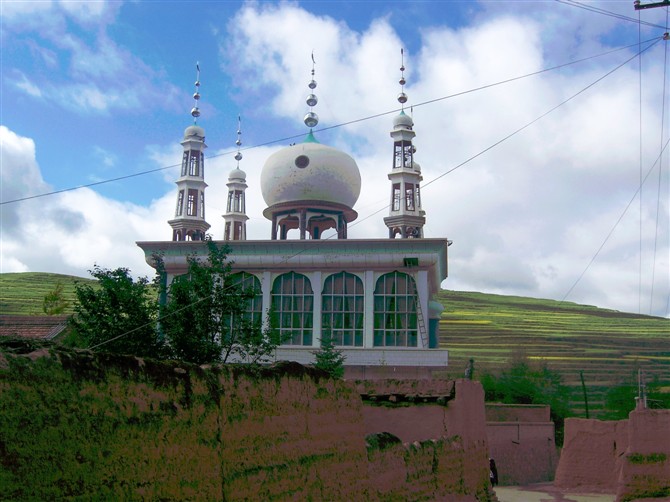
608,346
23,293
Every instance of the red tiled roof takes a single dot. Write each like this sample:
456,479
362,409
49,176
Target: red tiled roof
32,326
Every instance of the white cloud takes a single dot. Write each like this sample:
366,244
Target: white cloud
26,85
69,232
526,216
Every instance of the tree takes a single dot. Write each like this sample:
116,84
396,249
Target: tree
525,383
118,314
329,358
204,318
621,400
54,301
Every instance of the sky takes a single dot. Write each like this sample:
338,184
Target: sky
540,132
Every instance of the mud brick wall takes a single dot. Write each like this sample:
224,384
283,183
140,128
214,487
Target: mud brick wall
443,430
106,427
102,426
645,468
629,457
294,437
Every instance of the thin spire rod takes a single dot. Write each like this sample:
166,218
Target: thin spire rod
238,155
402,97
312,119
195,111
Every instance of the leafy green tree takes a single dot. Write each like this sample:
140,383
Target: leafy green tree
205,319
54,301
621,400
329,358
522,382
118,314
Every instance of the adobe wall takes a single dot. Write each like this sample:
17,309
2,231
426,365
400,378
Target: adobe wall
521,440
628,457
525,452
114,427
499,412
645,470
443,428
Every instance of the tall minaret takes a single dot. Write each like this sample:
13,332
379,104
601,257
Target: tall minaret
189,218
406,218
236,216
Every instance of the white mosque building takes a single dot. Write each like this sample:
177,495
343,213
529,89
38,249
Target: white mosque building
373,297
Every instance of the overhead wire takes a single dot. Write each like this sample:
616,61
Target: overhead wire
630,202
615,15
508,136
660,172
342,124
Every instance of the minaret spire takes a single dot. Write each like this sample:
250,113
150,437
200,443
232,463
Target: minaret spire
189,219
311,119
406,218
236,217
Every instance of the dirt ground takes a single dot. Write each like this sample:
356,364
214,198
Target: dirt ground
546,492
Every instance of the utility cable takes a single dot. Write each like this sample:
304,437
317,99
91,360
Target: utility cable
630,202
622,17
639,274
437,178
660,172
369,117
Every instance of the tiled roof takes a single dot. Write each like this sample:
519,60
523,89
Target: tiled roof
32,326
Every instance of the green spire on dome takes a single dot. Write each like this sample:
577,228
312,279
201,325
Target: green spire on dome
310,138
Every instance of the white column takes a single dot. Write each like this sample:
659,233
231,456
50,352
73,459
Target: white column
266,288
317,287
369,308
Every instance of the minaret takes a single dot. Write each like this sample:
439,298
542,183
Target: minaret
236,216
406,218
189,219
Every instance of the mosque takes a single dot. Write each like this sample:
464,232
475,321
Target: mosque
372,297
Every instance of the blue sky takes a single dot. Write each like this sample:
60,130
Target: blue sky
93,91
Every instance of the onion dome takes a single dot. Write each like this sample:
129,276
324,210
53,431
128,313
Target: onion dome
194,131
403,121
237,174
310,171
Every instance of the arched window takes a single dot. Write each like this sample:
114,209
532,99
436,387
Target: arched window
395,315
292,308
342,309
250,284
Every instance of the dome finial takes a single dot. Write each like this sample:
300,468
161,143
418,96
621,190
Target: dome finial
195,111
311,119
238,155
402,97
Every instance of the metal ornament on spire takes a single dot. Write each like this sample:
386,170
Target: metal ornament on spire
402,97
238,155
195,111
311,119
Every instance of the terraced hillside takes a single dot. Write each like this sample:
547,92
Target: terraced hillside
608,346
23,293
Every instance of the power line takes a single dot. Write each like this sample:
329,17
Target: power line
598,10
630,202
660,171
442,175
369,117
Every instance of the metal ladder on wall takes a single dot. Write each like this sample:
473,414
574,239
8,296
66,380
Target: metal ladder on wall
421,323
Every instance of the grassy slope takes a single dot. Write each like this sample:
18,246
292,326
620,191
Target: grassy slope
23,293
608,346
